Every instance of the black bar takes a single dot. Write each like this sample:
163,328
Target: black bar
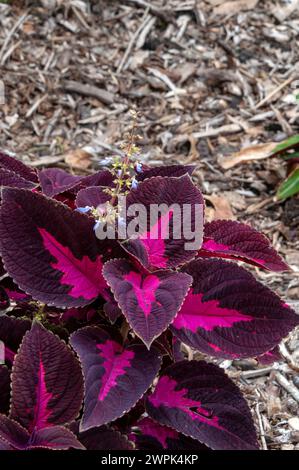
138,459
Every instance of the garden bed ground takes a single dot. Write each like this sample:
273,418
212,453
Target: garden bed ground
209,78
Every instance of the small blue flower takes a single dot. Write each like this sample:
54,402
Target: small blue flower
84,210
134,184
139,167
119,173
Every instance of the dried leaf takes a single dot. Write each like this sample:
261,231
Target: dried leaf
234,6
222,207
78,158
255,152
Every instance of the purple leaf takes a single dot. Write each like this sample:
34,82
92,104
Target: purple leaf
112,311
47,383
227,313
82,314
116,377
4,389
11,179
200,401
55,438
155,437
171,170
17,167
14,437
13,292
234,240
50,251
102,178
162,243
92,197
55,181
149,301
12,331
176,349
102,438
270,357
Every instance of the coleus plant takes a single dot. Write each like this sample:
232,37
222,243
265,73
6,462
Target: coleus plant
92,328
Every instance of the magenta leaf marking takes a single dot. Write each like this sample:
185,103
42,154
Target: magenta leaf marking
152,436
41,411
15,437
199,400
71,245
196,313
116,362
83,275
167,251
148,301
116,377
211,245
154,243
144,289
47,382
166,394
228,313
234,240
161,433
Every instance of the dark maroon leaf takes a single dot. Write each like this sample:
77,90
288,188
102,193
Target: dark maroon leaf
102,438
14,437
177,352
93,196
12,331
17,167
82,314
4,389
47,383
112,311
270,357
54,181
102,178
13,291
11,179
116,377
50,251
234,240
171,170
227,313
148,301
154,437
200,401
163,240
55,438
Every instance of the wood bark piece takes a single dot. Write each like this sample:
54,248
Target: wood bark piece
88,90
